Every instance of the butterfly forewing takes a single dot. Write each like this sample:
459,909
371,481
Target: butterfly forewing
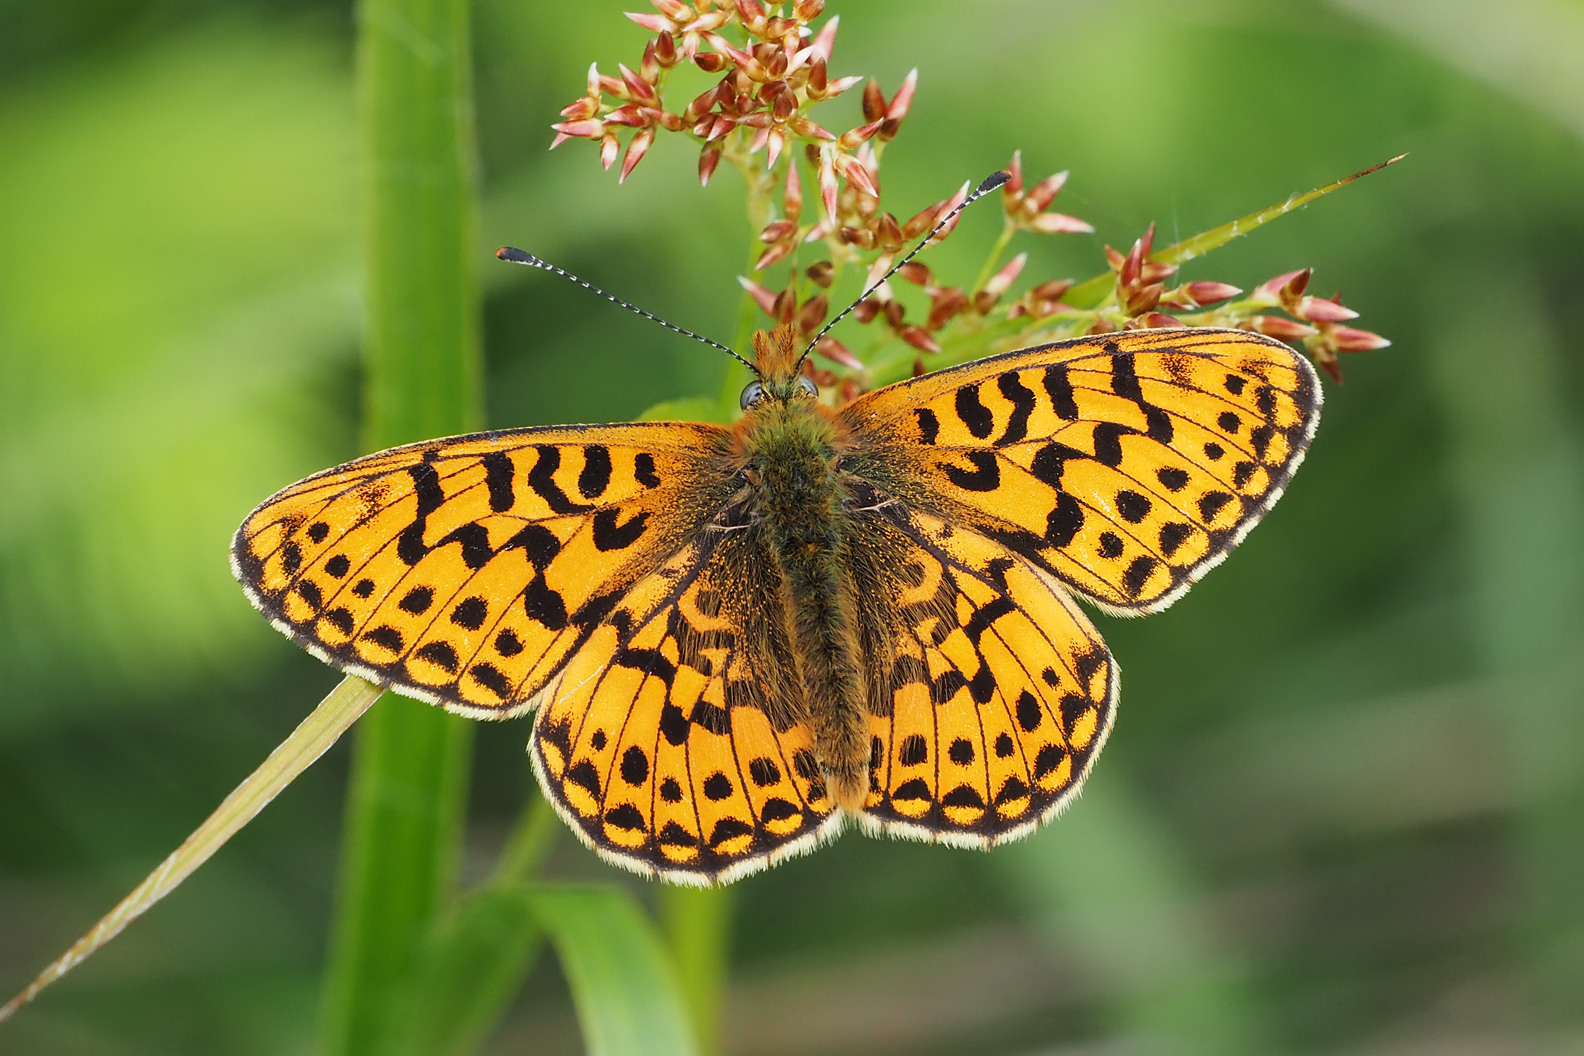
1126,465
466,571
1001,692
662,742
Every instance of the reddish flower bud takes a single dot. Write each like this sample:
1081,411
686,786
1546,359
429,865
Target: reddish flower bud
608,149
784,307
888,234
825,40
1205,292
1101,326
837,352
588,129
764,298
628,115
1040,195
673,9
1287,286
1052,290
653,23
710,62
861,237
945,304
1279,328
827,184
1159,321
999,283
902,101
867,309
665,50
1059,223
874,108
914,272
709,157
776,230
804,127
841,84
649,67
635,151
851,139
817,84
813,313
1143,299
1348,339
707,23
750,10
919,369
807,10
1320,310
920,338
581,110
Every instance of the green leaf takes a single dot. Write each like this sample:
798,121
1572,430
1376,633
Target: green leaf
623,983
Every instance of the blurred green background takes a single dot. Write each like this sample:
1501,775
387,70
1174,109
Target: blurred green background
1343,808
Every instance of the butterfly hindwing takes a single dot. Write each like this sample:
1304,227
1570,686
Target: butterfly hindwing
1001,693
1126,464
661,742
466,571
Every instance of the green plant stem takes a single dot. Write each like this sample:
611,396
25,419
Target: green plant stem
405,805
697,922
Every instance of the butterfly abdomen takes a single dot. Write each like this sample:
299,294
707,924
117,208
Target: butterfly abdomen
800,506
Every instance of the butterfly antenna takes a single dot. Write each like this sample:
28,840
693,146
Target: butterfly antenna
990,183
518,256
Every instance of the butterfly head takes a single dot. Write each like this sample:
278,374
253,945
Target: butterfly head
776,362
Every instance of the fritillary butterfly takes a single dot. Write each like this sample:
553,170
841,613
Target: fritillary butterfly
736,638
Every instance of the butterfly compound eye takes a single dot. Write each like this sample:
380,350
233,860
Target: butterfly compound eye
752,394
808,386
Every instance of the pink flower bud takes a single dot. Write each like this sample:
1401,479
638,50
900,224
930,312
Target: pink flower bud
774,255
813,313
1206,292
608,149
916,273
902,101
851,139
836,352
674,9
635,151
827,183
1320,310
1059,223
808,10
1000,282
920,338
761,296
653,23
1040,195
821,273
1348,339
708,159
825,39
638,89
587,129
1279,328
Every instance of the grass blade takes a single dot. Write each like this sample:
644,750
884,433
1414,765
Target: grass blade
322,728
1092,291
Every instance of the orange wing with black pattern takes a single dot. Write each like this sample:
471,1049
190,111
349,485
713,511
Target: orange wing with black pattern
664,743
467,571
1126,465
1000,691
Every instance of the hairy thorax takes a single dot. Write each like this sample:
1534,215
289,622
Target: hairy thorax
799,502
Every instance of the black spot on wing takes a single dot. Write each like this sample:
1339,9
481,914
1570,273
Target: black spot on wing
541,478
644,470
929,425
610,533
973,413
985,476
595,476
1023,402
498,479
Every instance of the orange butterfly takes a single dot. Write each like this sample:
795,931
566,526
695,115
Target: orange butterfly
735,638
